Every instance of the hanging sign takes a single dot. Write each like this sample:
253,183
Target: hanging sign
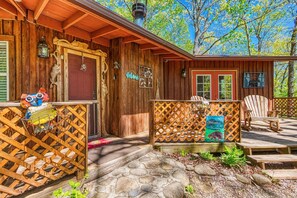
132,75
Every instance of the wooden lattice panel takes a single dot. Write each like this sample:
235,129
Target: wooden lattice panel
28,161
287,107
178,121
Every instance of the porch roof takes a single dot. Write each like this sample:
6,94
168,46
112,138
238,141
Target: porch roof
89,20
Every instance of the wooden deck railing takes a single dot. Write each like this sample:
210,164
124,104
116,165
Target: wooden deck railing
28,161
176,122
287,107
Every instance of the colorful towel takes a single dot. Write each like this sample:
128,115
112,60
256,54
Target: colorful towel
98,143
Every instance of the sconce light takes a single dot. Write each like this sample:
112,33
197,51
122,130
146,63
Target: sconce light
184,73
116,65
42,49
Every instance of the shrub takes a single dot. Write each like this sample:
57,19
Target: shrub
233,157
207,156
74,192
183,153
189,189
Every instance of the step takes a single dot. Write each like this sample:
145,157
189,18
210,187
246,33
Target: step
250,147
282,173
275,158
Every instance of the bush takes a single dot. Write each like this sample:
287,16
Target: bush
183,153
207,156
189,189
74,192
233,157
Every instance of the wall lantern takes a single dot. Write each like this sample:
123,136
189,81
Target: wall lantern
42,49
184,73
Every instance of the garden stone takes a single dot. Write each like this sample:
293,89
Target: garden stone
135,192
152,164
261,180
159,172
225,172
138,172
243,179
101,195
106,181
149,195
145,159
166,166
146,188
189,167
125,184
182,177
160,182
146,179
203,169
133,165
180,165
174,190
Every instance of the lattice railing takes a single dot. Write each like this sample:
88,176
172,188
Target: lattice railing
28,161
178,121
287,107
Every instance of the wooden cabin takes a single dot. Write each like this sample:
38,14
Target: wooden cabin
126,65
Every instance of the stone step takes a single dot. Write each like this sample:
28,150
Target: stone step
282,173
250,147
261,160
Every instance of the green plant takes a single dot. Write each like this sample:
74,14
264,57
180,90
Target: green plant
207,156
233,157
76,191
183,153
189,189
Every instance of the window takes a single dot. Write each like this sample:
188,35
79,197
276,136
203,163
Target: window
253,80
225,87
203,86
3,71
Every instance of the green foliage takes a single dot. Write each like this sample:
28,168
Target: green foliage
183,153
207,156
233,157
74,192
189,189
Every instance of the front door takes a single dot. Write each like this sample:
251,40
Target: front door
214,85
82,84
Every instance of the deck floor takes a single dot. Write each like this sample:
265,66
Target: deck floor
261,134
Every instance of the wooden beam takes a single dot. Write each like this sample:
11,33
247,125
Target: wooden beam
161,51
74,19
102,41
147,46
103,31
40,7
50,23
77,32
19,7
170,56
130,39
4,5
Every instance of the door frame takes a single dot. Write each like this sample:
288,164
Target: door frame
236,87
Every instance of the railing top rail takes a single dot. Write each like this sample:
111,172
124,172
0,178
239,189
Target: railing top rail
76,102
213,101
285,98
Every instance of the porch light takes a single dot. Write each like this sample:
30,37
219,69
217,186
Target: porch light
116,65
42,48
184,73
83,66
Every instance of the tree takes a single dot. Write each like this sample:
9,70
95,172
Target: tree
163,19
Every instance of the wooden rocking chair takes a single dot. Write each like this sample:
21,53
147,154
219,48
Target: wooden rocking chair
257,110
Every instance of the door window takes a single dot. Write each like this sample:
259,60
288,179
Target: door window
203,86
3,71
225,87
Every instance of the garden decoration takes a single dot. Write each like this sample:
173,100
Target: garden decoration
199,107
214,129
39,113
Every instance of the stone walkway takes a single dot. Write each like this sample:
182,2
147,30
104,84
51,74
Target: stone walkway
152,175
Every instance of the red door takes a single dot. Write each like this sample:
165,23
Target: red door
214,85
82,86
81,83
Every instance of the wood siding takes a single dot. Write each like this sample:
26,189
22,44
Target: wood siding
129,104
28,72
179,88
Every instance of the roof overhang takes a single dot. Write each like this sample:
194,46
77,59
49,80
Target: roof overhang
246,58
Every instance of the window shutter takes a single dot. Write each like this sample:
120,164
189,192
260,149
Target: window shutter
3,71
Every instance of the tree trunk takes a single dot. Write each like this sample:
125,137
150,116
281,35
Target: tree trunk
291,63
